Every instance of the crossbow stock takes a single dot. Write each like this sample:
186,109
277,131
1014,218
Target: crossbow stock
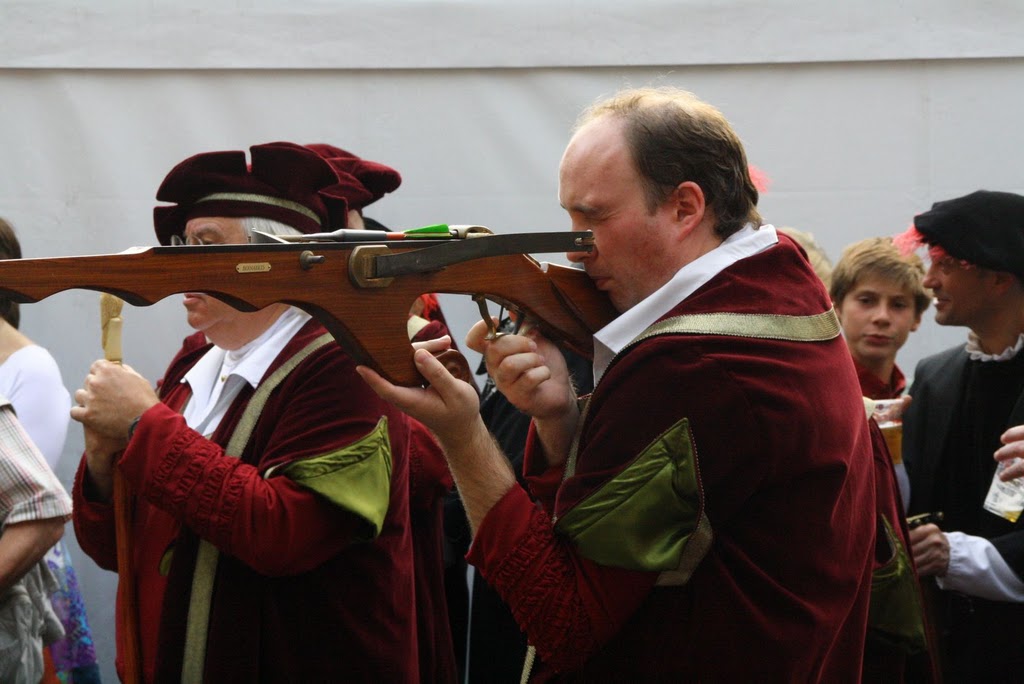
361,290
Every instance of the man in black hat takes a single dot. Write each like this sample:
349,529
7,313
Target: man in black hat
964,400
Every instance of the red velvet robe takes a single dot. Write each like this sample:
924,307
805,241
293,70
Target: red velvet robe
295,598
785,465
882,662
429,482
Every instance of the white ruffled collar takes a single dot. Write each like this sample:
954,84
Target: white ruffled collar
974,349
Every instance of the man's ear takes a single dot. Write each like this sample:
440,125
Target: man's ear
1002,282
688,205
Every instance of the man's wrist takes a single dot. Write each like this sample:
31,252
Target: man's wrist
97,489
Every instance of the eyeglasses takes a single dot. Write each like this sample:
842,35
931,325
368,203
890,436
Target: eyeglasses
948,264
190,241
945,262
193,241
209,238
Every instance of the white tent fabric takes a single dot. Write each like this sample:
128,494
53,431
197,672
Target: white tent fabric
460,34
862,115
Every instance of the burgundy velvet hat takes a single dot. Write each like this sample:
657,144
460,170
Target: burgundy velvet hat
282,181
365,181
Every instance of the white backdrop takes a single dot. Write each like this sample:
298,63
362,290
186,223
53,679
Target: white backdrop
862,116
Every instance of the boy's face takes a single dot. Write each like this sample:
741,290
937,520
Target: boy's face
877,317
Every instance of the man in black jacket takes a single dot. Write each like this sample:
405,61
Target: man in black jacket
964,399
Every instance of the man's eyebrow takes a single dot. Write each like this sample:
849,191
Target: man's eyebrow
582,208
204,229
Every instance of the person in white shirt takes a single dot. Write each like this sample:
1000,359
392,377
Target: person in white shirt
29,375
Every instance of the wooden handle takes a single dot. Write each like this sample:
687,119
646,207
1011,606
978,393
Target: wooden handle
127,599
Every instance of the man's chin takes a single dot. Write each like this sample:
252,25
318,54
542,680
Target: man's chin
620,301
196,322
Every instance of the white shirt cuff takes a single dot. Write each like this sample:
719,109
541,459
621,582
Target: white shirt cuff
977,569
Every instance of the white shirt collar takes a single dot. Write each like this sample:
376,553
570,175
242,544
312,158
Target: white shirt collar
218,377
611,339
974,349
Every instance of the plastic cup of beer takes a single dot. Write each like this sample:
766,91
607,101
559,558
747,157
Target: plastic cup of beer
887,413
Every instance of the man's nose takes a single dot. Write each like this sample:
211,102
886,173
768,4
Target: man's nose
578,257
581,257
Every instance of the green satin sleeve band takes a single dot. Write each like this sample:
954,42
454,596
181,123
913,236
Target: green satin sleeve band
646,517
356,478
894,616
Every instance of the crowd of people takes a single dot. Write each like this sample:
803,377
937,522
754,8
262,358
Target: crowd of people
712,497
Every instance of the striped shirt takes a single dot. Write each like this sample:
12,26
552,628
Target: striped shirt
29,490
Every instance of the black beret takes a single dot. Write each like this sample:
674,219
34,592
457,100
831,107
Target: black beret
985,228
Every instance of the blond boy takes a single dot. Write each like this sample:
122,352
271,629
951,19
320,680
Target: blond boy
879,297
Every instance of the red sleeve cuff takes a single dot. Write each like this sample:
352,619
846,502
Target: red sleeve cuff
501,530
93,522
160,424
542,479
